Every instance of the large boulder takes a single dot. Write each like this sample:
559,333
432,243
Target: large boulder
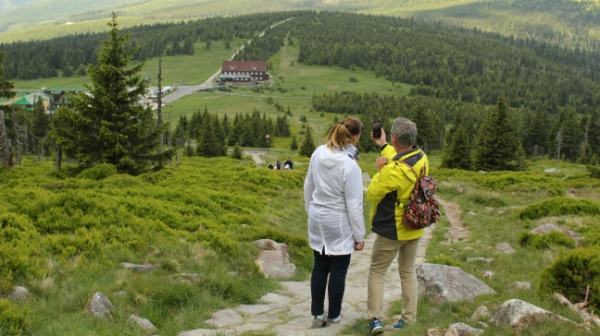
448,283
461,329
520,314
100,306
274,260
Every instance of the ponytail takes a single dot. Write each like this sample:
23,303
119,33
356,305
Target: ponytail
341,134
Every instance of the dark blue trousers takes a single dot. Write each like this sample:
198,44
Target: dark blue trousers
336,268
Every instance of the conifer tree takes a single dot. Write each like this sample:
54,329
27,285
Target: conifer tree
107,125
294,144
458,155
498,147
536,133
207,143
308,146
237,151
571,136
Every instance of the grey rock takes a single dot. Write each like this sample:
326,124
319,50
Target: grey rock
208,332
448,283
437,332
479,313
264,318
521,285
483,324
461,329
139,268
471,213
142,322
487,275
251,327
549,227
485,260
277,299
297,288
505,248
100,306
224,318
19,294
120,293
254,309
267,244
482,172
520,314
553,171
434,311
276,264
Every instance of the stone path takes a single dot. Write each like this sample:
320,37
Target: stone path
286,312
457,231
256,155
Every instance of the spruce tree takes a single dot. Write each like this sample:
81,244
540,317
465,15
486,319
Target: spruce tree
458,155
107,125
207,143
308,146
294,145
498,147
571,136
536,133
237,151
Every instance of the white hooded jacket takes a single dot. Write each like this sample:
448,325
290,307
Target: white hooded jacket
333,197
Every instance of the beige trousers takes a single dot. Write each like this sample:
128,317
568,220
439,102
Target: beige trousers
384,251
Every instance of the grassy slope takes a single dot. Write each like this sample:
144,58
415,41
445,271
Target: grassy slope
510,18
193,68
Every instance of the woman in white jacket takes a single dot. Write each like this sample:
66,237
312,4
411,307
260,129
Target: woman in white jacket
333,195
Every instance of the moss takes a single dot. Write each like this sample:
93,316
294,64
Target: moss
445,260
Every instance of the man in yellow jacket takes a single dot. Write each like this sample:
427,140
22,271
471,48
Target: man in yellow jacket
389,191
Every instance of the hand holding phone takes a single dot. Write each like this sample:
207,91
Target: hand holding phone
377,129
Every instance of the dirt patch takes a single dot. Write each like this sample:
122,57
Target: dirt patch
457,230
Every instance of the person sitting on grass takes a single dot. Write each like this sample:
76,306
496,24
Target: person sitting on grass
270,166
289,163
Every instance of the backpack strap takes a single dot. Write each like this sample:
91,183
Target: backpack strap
414,172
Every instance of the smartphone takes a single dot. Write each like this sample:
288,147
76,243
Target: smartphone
376,129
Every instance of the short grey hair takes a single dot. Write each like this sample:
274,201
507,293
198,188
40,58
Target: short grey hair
405,132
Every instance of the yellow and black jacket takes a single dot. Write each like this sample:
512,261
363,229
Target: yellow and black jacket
395,181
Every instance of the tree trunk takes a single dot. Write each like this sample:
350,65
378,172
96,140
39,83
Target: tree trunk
16,148
159,123
3,136
58,157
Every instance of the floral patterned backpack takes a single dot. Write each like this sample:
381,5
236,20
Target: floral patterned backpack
422,209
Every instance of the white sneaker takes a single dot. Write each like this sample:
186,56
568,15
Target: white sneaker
319,321
335,320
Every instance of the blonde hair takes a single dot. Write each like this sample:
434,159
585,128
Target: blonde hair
341,133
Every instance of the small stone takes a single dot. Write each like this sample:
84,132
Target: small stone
100,306
225,318
144,323
468,248
553,171
19,294
232,273
208,332
139,268
483,324
479,313
505,248
434,311
521,285
488,275
461,329
485,260
482,172
472,213
276,299
267,244
244,225
437,332
120,293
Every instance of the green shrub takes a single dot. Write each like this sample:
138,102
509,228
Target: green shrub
98,172
13,320
445,260
560,206
546,240
237,151
571,273
594,172
486,200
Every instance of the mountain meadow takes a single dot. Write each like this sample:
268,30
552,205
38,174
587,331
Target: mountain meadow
507,111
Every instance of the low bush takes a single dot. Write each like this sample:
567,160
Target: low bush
486,200
561,206
571,273
544,241
13,320
445,260
594,172
98,172
353,80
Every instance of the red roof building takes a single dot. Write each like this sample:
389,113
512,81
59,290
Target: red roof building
244,71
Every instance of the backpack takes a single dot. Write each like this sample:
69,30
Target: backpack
422,209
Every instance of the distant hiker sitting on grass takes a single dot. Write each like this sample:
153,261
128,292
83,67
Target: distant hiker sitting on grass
288,164
270,166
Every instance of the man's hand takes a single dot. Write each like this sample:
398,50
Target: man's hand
382,139
381,161
359,246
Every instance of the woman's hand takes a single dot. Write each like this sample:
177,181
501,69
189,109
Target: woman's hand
359,246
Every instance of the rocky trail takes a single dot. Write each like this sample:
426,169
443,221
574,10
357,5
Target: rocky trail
457,231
